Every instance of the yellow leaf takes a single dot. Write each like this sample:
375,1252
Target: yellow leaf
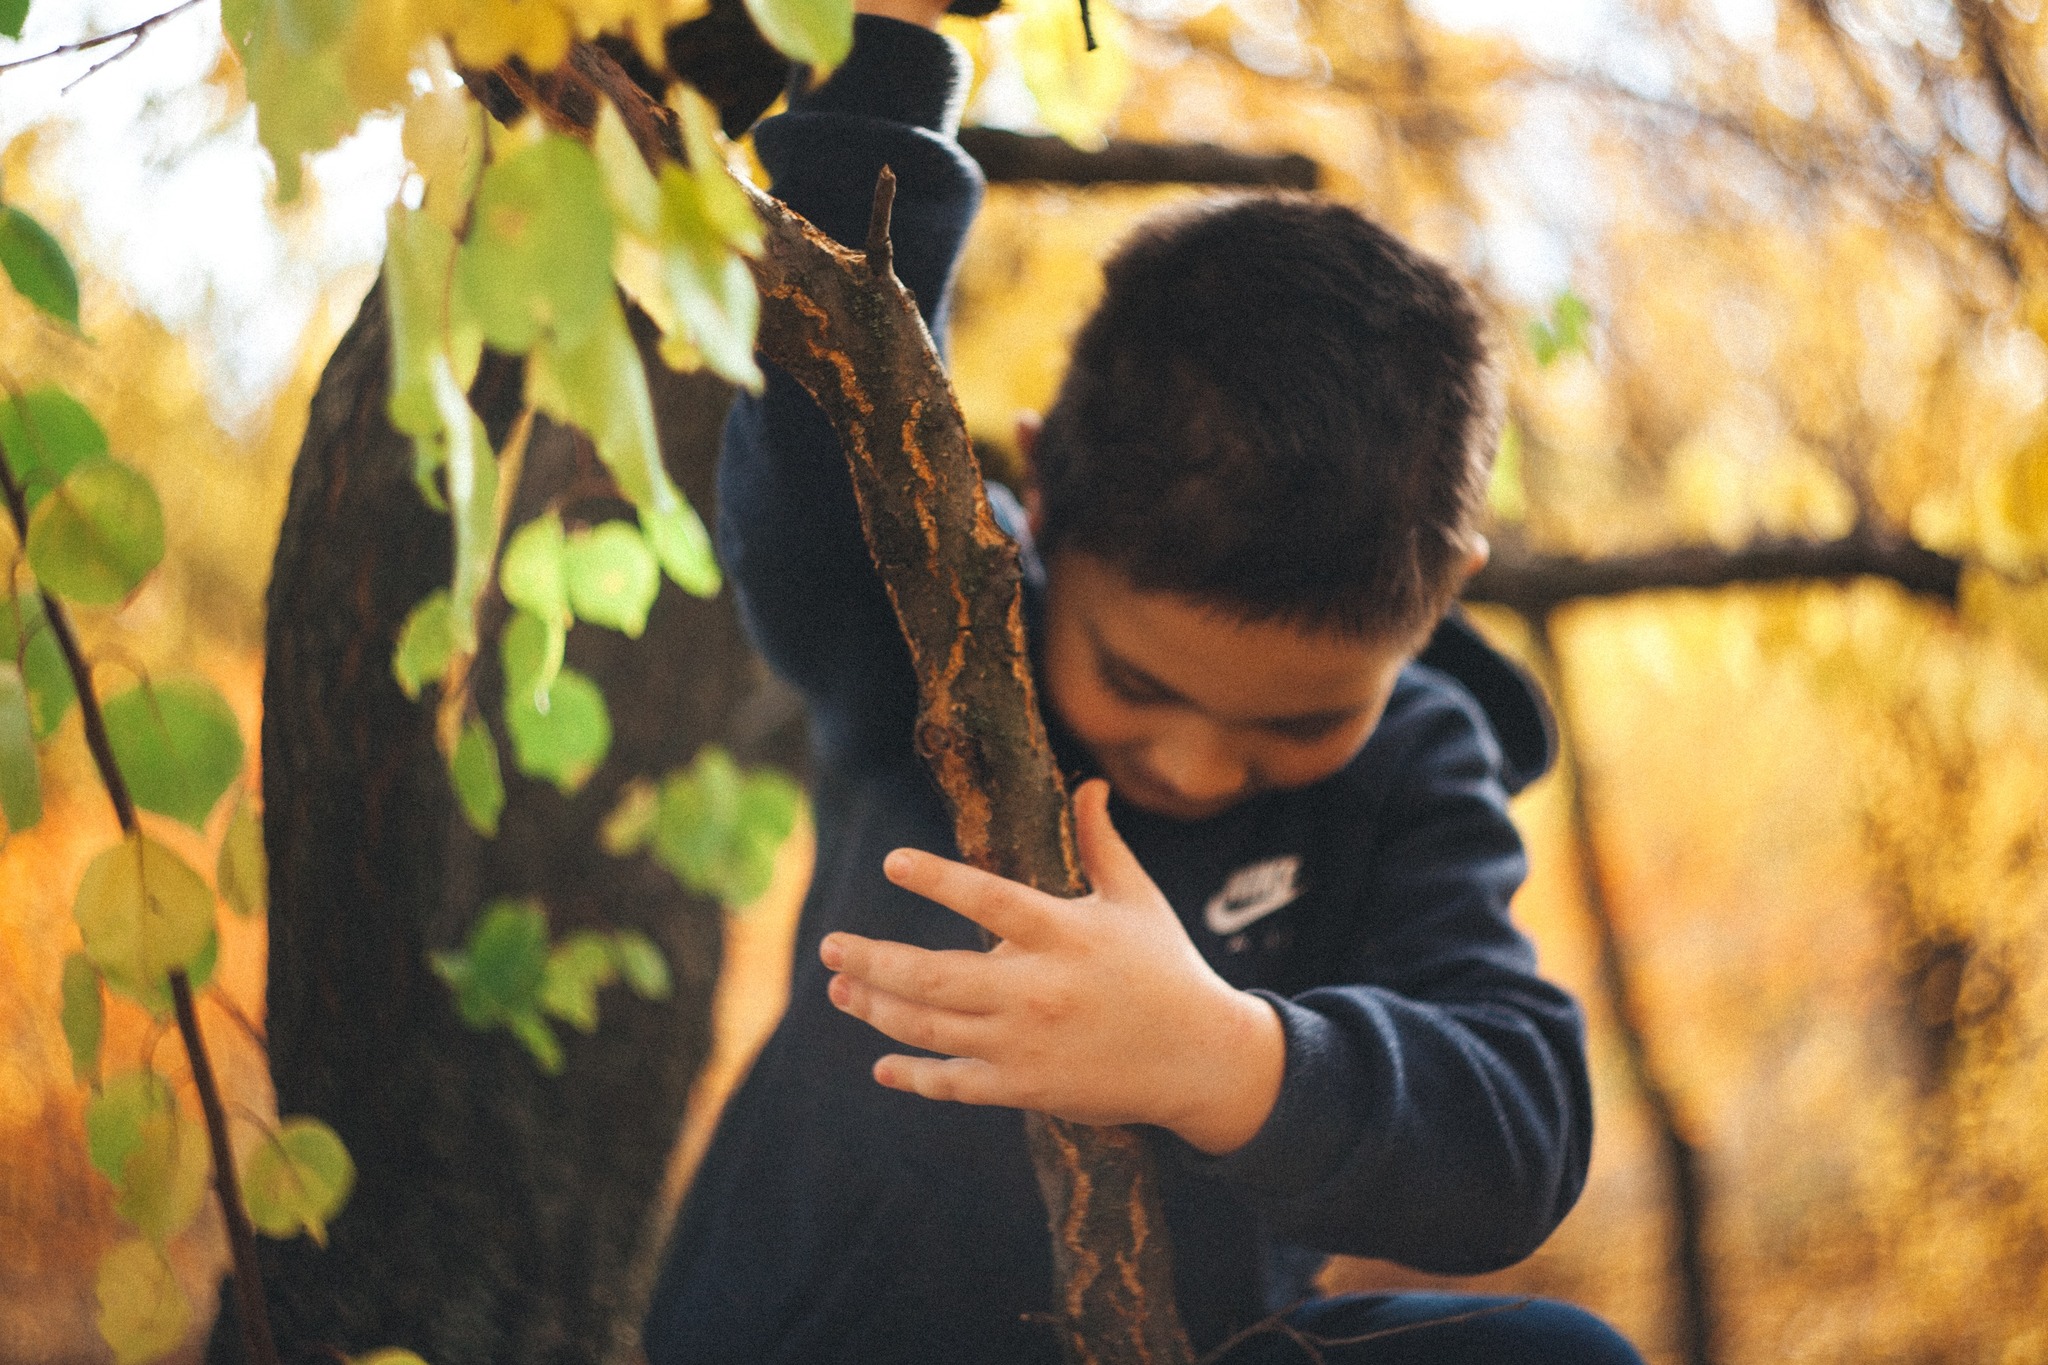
143,1313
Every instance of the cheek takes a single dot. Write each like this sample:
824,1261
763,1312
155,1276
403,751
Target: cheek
1088,708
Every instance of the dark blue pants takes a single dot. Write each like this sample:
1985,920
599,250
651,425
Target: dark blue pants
1436,1329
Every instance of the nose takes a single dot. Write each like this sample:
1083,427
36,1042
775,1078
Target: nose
1198,762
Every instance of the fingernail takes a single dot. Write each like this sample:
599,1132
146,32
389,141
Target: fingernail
831,952
896,865
837,991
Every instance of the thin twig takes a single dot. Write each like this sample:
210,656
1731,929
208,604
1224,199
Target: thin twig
133,31
1683,1162
256,1338
254,1314
1312,1344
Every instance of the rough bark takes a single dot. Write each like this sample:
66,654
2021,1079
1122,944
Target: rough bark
500,1215
849,332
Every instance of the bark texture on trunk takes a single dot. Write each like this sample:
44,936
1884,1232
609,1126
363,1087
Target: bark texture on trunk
500,1215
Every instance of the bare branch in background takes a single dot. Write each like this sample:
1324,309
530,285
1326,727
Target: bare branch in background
134,32
1533,584
1008,157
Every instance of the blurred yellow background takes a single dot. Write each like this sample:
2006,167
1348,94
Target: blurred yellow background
1809,239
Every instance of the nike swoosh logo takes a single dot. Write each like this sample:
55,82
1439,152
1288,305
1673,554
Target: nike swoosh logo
1251,894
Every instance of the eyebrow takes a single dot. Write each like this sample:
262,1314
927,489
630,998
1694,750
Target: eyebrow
1108,659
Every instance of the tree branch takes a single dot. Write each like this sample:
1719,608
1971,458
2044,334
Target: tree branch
1534,584
851,335
137,32
1010,158
256,1338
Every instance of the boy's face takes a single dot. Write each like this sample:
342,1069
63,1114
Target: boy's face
1189,710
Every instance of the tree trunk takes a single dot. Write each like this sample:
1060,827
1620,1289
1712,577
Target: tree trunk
500,1215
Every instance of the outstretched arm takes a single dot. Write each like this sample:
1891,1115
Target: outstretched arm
789,531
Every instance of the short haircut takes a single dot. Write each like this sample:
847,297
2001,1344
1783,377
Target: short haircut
1278,408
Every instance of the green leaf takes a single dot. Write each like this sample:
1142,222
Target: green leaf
297,1179
178,744
718,830
98,533
628,185
142,911
46,433
564,740
83,1016
599,385
37,266
163,1181
21,786
243,872
538,259
143,1313
715,297
390,1355
816,32
683,546
427,320
1506,493
301,91
630,825
497,974
536,1037
114,1117
44,670
641,963
12,15
425,644
1565,331
531,577
723,203
479,786
576,970
612,577
472,503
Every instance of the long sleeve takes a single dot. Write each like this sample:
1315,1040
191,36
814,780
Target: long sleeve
788,528
1435,1109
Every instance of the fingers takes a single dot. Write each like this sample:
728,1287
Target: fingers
963,1080
915,1025
1005,908
956,980
1107,861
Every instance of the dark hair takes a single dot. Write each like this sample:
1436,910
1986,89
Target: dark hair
1280,408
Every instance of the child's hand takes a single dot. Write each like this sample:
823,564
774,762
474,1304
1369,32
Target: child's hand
1097,1010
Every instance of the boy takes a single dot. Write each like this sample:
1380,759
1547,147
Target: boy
1253,503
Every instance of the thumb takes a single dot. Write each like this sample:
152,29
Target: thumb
1106,860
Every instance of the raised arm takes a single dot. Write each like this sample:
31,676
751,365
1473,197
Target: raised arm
788,529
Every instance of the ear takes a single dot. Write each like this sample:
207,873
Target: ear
1475,559
1028,427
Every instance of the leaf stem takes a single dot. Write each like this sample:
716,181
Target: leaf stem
254,1315
135,31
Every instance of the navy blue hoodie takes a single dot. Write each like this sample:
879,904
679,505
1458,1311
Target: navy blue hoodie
1434,1109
